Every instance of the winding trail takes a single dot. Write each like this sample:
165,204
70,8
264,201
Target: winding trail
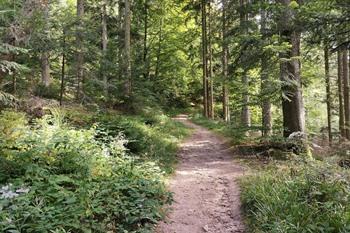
205,187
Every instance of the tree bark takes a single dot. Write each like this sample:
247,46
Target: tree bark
225,92
45,57
120,39
79,53
246,119
145,41
341,96
204,58
210,72
265,83
328,92
346,93
127,48
292,106
160,39
104,38
63,68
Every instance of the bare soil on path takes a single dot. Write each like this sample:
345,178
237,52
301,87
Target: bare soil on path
206,192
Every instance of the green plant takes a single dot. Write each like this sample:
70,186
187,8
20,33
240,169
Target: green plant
311,197
56,178
51,92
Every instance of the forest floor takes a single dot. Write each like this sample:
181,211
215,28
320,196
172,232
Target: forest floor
206,192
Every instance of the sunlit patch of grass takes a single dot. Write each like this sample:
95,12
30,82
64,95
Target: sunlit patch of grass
297,197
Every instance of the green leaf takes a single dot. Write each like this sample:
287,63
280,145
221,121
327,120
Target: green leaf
294,5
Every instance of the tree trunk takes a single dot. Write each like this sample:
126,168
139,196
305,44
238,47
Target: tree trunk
63,67
14,82
346,93
160,39
104,38
246,121
145,41
79,53
292,101
265,83
45,63
127,48
340,95
210,72
204,59
120,36
328,92
225,93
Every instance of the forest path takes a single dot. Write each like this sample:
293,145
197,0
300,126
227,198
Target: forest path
205,186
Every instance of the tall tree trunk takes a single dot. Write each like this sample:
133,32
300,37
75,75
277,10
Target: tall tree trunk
292,106
45,63
210,71
79,53
63,68
120,39
14,82
225,93
104,38
246,121
159,49
328,92
127,48
204,58
340,95
145,41
265,83
346,93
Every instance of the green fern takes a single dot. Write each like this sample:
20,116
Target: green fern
7,99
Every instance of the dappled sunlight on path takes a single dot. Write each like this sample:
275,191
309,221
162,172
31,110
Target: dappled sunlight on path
205,186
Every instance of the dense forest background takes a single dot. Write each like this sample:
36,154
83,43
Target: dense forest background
82,78
127,54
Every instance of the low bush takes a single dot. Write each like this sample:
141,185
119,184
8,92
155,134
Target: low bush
151,137
57,178
235,133
51,92
298,197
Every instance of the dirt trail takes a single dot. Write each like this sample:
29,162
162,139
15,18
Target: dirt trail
205,187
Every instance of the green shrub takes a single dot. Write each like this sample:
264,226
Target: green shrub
298,198
50,92
150,137
55,178
235,133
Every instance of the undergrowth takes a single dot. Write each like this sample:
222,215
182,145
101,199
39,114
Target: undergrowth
298,197
152,136
84,172
235,133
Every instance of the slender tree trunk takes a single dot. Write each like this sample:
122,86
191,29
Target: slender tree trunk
266,103
246,121
204,58
120,40
340,95
145,41
127,48
45,63
160,39
293,106
14,82
225,93
328,92
79,53
346,93
210,72
104,38
63,67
